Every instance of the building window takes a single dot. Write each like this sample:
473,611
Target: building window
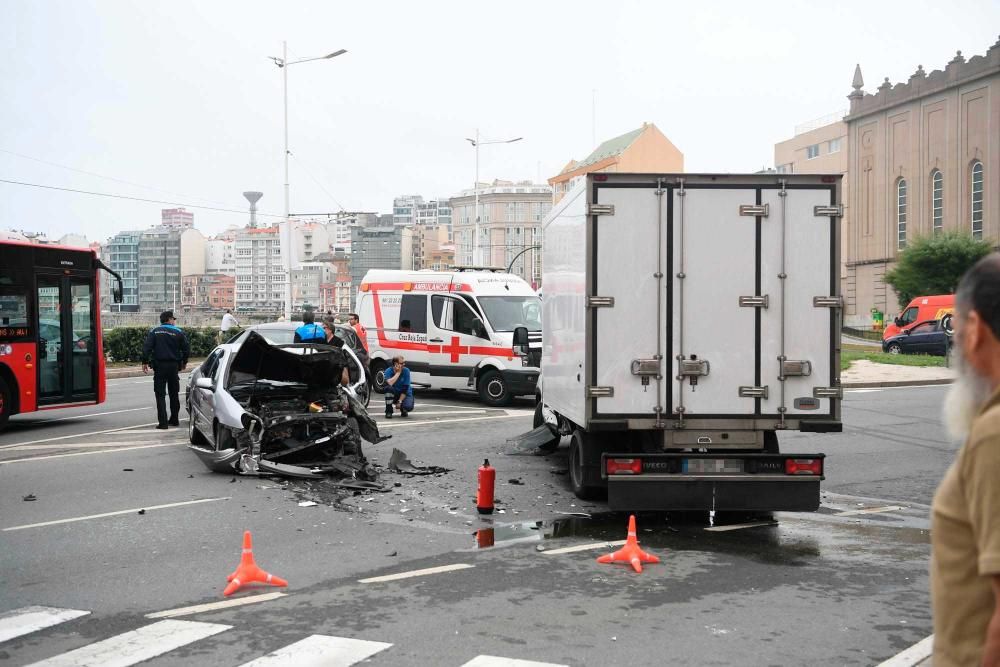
812,151
937,201
901,212
833,146
977,200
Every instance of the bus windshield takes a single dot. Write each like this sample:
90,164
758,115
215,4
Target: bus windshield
506,313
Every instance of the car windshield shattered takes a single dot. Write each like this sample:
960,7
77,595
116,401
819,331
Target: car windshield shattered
286,409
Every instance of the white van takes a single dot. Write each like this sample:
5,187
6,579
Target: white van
456,329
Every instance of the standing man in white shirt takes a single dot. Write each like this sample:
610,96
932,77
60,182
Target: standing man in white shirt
228,322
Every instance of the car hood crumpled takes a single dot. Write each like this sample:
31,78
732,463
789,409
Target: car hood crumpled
315,366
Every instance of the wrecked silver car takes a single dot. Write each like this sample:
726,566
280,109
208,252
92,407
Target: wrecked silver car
290,409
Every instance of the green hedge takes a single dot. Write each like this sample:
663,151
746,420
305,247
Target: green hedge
125,343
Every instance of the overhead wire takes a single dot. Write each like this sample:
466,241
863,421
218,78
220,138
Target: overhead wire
138,199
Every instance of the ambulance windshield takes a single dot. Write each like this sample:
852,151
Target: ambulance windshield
506,313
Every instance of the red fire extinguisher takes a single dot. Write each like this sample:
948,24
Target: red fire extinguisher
484,496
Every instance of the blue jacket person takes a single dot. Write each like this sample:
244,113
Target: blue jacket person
166,349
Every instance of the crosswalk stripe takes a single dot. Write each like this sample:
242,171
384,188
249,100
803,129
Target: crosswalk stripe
26,620
496,661
135,646
320,651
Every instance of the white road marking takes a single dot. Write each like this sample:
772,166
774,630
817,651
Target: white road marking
416,573
383,424
496,661
85,445
444,412
112,450
77,435
320,651
213,606
90,414
584,547
870,510
913,655
740,526
136,646
862,391
26,620
119,512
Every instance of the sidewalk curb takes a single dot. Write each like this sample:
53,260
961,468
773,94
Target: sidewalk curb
900,383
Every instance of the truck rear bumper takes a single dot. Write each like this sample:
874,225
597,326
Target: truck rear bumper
758,495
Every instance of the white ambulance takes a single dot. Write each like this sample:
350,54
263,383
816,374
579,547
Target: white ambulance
456,329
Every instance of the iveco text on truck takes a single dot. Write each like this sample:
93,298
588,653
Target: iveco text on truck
690,321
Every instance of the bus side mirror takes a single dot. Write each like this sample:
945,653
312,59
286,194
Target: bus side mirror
117,292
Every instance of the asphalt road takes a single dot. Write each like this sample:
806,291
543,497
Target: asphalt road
819,588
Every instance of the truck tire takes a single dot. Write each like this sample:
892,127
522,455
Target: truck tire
6,403
378,367
551,445
584,477
493,389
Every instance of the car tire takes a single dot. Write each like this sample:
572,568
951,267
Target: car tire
584,479
894,348
365,394
539,420
493,389
194,435
378,367
223,438
6,403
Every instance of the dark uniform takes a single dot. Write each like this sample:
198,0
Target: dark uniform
166,350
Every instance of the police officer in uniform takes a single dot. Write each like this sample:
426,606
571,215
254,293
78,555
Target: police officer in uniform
166,349
310,332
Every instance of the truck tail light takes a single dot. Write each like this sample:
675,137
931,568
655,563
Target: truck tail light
624,466
803,466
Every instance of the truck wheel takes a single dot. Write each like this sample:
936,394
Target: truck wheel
493,389
378,367
583,478
6,403
770,442
552,444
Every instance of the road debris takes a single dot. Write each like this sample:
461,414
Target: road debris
308,503
400,462
28,498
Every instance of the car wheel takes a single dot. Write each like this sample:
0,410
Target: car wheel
223,438
539,420
378,375
194,435
582,476
894,348
493,389
6,403
365,394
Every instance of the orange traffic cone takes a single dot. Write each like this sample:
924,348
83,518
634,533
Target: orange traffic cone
630,553
248,572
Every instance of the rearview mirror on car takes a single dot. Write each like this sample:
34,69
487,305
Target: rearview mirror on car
203,383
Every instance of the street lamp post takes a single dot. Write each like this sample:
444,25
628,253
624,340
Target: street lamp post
477,249
284,64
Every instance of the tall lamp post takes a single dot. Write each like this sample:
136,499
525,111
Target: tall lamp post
477,250
283,63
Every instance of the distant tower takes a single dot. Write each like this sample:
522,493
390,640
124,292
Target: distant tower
253,198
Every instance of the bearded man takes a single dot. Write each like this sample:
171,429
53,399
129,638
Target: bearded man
965,516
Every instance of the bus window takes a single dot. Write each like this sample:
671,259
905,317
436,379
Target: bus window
50,325
81,304
13,313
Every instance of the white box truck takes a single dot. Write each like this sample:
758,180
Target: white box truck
456,329
689,320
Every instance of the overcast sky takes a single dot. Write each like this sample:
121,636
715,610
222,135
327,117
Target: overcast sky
177,100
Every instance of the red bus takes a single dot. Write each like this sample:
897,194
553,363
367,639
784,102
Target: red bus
51,353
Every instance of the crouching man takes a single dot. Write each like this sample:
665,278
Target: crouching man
398,390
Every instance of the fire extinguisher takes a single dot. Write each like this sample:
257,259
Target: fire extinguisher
484,496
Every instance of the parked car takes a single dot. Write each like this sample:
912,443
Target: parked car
253,403
927,337
920,309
